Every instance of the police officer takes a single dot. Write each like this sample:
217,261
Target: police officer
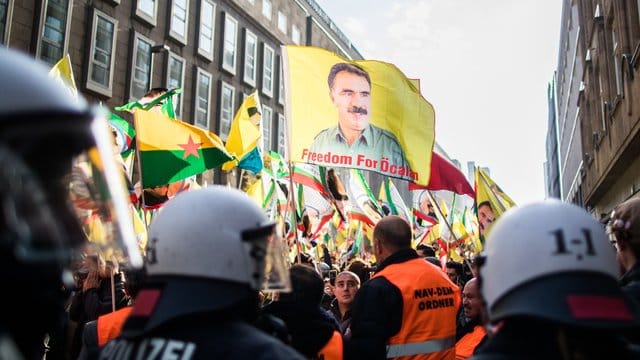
549,280
409,306
206,260
53,148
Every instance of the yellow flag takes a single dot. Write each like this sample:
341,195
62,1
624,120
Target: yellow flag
256,192
246,130
491,201
63,72
388,128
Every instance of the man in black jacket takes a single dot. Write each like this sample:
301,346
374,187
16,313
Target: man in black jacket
406,293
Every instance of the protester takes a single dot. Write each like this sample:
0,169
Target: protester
45,133
454,271
624,229
425,250
96,297
206,259
549,281
472,334
314,332
408,307
346,287
107,327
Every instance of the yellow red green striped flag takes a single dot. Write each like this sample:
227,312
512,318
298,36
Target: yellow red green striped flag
172,150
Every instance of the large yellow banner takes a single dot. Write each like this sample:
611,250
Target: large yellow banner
361,114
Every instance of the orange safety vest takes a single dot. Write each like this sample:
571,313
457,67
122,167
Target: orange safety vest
110,325
332,350
468,343
430,303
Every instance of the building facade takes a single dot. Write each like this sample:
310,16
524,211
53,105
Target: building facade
217,51
605,93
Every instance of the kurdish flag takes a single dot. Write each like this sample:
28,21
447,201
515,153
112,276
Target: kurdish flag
171,150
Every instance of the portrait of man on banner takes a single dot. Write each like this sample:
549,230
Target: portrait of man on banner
362,114
350,92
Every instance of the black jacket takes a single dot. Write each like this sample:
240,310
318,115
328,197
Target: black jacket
376,313
630,282
532,339
200,337
310,327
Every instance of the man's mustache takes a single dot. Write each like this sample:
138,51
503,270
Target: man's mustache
358,110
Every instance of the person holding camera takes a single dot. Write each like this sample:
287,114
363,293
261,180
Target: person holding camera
94,297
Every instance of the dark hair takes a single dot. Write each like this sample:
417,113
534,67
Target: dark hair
156,91
426,250
485,203
307,286
350,68
455,265
360,268
394,232
434,260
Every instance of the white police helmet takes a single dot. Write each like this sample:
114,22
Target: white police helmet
552,260
217,233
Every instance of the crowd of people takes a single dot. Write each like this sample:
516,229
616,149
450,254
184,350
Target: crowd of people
551,283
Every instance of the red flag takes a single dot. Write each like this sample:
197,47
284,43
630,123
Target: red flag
445,176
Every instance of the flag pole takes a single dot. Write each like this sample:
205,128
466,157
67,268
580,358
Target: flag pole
139,166
446,222
294,226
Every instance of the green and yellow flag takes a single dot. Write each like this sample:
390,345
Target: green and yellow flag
171,150
396,124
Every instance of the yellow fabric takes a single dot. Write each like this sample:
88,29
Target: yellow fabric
396,106
63,72
246,131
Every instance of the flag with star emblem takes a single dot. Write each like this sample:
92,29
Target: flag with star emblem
172,150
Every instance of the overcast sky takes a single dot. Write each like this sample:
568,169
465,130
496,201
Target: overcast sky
484,65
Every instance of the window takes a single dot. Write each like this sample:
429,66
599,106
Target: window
147,10
227,93
616,64
142,62
281,85
281,135
266,8
203,97
282,22
250,58
267,114
54,31
229,50
295,34
267,71
103,37
175,79
179,20
6,9
207,23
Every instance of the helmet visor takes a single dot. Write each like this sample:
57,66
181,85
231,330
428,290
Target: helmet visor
267,251
98,194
